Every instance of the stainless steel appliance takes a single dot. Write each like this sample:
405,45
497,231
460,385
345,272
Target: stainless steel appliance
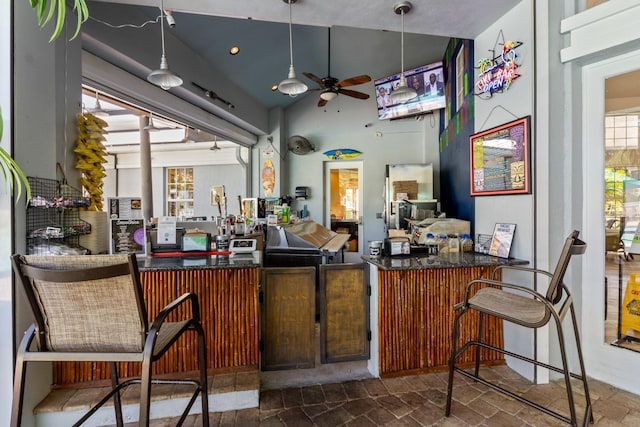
408,194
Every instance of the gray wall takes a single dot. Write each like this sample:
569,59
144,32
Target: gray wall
231,176
350,123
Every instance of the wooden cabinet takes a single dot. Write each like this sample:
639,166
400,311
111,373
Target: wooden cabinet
288,301
288,304
344,313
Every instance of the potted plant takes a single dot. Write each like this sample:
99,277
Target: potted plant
9,169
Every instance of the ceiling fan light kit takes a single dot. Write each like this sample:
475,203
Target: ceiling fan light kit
331,87
403,93
328,94
162,76
291,85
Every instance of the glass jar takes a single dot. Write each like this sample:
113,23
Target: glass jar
454,243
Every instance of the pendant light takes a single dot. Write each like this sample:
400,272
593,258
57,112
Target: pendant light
403,93
187,139
150,127
162,76
97,109
291,85
215,147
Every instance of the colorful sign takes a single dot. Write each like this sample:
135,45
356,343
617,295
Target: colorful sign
497,73
342,154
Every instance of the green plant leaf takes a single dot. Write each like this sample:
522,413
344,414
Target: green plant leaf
11,171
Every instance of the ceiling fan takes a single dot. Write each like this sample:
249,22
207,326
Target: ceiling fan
330,87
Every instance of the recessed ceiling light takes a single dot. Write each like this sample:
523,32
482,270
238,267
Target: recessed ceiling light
234,50
274,88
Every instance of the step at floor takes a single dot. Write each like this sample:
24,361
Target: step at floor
227,392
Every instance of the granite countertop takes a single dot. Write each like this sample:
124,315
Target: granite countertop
158,263
445,260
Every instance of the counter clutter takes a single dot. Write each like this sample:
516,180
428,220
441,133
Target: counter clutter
422,261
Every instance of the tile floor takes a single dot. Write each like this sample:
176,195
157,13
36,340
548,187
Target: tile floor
419,400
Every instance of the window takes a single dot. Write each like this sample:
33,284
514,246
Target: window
460,78
180,192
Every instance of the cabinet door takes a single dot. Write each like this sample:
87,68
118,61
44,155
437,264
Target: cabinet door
344,313
288,317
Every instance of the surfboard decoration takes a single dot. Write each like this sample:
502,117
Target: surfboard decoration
268,177
342,154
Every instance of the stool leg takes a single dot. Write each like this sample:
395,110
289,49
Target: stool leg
145,392
117,403
18,391
452,359
565,370
202,364
478,348
583,372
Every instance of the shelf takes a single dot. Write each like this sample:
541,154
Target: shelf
53,221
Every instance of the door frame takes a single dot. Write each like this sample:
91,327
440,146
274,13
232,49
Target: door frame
350,164
605,362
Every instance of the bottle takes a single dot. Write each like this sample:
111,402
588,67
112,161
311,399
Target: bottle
285,213
432,244
454,243
443,243
466,244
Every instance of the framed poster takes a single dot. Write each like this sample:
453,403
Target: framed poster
500,159
501,240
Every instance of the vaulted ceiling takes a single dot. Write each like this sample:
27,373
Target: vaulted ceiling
364,39
365,35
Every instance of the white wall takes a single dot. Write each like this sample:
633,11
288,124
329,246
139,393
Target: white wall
47,96
503,107
6,308
350,123
231,176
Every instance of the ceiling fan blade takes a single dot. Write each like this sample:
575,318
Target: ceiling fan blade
322,102
353,93
357,80
315,78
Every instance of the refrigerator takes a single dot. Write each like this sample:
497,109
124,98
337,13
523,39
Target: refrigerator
408,194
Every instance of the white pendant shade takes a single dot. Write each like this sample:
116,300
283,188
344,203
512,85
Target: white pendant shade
402,93
162,76
291,85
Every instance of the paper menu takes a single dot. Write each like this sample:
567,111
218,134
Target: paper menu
167,230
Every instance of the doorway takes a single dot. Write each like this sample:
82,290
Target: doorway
343,204
611,173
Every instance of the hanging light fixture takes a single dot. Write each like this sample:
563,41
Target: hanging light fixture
97,109
187,139
403,93
162,76
215,147
291,85
150,127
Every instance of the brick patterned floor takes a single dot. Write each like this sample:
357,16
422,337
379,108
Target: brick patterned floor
419,400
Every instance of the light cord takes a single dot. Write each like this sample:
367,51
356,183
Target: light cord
290,34
162,25
402,44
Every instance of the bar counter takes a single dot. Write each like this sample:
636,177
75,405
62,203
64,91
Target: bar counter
227,290
412,299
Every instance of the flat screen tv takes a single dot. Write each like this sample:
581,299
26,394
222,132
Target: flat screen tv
427,80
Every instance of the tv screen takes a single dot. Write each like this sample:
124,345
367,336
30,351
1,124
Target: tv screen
426,80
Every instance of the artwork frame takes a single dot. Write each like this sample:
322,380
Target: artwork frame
502,239
500,159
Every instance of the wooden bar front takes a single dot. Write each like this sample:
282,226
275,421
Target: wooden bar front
415,319
229,311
